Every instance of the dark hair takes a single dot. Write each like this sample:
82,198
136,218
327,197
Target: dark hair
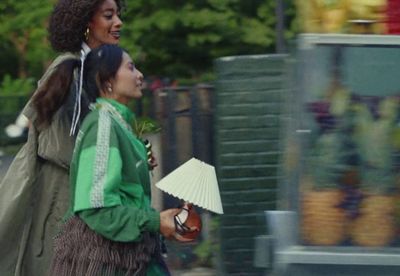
69,20
101,65
52,94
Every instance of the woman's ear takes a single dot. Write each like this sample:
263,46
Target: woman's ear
109,87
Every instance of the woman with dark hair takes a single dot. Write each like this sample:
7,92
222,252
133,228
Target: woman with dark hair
110,227
34,193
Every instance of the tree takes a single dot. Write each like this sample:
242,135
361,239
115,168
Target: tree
179,39
182,38
23,24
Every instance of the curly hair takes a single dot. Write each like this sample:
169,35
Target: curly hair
69,21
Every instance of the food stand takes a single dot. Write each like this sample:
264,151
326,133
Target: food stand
342,167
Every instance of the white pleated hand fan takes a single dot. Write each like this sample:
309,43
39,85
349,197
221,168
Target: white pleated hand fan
194,182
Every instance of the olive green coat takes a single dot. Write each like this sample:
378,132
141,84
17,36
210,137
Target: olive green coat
34,194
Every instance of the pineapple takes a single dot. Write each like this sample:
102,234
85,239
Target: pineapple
376,224
323,221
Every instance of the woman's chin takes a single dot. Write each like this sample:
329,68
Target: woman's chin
138,94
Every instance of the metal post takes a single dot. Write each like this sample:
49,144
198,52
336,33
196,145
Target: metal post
196,124
280,26
172,162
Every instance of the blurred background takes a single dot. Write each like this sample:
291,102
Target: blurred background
296,104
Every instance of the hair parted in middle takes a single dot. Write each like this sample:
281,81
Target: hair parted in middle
69,21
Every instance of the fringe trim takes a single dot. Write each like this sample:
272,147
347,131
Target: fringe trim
78,250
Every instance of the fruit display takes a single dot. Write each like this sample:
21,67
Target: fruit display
323,16
350,174
348,194
376,225
323,223
373,132
345,124
393,17
349,16
323,219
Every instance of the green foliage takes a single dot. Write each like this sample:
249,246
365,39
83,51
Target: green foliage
328,159
10,86
291,18
332,146
145,125
182,38
178,39
204,252
23,24
206,249
13,94
207,77
8,56
374,139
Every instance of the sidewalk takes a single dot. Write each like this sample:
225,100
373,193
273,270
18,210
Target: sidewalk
198,271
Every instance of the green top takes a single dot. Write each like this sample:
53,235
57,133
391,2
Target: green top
109,176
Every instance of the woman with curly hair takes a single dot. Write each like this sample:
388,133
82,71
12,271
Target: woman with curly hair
34,193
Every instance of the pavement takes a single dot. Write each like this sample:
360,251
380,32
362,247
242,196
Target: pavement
198,271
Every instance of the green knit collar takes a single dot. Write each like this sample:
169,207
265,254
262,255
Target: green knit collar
122,109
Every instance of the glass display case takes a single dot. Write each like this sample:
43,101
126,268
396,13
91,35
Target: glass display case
346,124
349,16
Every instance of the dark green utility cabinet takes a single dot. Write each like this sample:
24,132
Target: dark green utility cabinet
249,100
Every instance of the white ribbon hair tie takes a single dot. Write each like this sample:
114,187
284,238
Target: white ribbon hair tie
78,95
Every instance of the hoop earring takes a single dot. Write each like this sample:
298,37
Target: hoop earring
86,34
